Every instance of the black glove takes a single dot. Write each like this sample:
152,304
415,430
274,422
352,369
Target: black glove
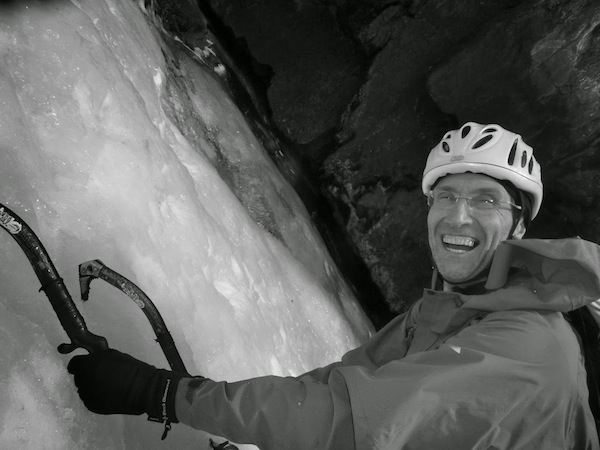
111,382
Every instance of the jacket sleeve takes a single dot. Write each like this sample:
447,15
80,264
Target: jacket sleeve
270,412
513,380
311,411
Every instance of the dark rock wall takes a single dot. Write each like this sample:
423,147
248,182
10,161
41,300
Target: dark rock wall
359,91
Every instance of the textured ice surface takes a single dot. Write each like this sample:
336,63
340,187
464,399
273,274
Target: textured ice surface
111,150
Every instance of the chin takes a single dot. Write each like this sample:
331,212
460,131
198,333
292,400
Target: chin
459,278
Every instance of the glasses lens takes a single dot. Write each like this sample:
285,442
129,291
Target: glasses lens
444,200
484,202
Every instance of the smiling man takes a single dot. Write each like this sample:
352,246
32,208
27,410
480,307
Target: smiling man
471,179
470,215
485,361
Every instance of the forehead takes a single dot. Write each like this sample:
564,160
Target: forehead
470,183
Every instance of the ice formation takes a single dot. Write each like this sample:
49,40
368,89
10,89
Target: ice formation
118,143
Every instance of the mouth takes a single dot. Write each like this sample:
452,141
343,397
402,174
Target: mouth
459,244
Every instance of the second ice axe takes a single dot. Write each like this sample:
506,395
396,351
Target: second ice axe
97,269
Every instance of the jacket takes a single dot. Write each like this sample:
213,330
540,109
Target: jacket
499,370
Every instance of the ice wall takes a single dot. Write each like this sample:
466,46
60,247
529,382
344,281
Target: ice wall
118,143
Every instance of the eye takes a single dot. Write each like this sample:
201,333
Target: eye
444,196
484,201
445,199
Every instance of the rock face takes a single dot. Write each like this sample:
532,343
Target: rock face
361,90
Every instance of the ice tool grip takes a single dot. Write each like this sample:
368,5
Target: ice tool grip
52,285
71,320
97,269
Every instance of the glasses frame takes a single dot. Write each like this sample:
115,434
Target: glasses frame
431,203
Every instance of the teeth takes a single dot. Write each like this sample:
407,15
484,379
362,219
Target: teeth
464,241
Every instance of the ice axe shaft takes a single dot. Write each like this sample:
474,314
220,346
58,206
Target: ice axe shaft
52,285
97,269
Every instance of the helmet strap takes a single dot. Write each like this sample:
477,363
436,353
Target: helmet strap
436,278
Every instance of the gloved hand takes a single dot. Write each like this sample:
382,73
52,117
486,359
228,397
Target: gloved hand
111,382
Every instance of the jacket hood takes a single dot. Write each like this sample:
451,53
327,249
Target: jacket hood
547,274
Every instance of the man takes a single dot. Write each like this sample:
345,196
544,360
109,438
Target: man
487,361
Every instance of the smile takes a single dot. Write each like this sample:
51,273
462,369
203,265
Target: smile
459,244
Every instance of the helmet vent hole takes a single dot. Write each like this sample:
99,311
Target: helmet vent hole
530,168
465,131
482,141
489,130
511,154
446,147
524,159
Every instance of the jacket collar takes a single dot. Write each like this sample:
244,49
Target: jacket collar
552,275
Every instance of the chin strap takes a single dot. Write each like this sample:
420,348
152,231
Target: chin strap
434,278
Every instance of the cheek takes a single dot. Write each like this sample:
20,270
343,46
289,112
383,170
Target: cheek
497,228
432,221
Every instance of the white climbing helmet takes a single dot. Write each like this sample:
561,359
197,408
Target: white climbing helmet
490,150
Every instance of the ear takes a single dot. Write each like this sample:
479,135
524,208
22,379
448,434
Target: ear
520,229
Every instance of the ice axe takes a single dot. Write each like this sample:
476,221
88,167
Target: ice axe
97,269
63,305
62,302
52,285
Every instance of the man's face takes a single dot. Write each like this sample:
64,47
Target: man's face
463,239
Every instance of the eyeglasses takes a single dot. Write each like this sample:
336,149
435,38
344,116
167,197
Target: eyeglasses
447,200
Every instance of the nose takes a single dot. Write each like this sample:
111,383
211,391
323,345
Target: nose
459,214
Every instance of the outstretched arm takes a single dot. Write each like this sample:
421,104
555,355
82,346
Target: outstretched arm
512,380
